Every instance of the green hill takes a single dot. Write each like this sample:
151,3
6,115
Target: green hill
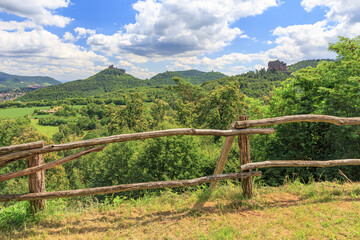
304,64
105,81
10,82
112,80
192,76
253,83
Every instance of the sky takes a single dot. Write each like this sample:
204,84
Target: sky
74,39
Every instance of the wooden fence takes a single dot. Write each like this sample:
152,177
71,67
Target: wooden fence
36,166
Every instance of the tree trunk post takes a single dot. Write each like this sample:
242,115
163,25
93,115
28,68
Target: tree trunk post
36,183
244,151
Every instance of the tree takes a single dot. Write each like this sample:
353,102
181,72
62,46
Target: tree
189,99
158,111
332,88
221,107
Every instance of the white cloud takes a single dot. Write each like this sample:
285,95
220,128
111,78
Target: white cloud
167,28
295,42
339,10
40,11
27,48
141,73
311,41
14,25
83,32
68,37
39,51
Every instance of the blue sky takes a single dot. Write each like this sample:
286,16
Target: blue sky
71,40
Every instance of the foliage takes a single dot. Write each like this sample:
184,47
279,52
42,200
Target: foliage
253,84
11,128
65,111
191,76
131,117
332,88
158,111
172,158
305,63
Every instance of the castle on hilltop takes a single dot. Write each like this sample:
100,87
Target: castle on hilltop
277,65
112,67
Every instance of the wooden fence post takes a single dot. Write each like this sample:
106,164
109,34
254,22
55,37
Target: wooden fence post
244,151
36,183
222,159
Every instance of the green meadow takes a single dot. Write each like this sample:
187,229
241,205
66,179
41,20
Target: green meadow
48,131
19,112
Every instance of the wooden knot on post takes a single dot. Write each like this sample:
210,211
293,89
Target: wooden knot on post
244,152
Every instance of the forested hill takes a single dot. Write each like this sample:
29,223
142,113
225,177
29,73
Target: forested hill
114,80
105,81
304,64
192,76
10,82
253,83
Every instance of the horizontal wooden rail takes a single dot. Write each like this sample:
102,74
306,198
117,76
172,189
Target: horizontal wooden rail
20,147
298,163
296,118
49,165
124,187
128,137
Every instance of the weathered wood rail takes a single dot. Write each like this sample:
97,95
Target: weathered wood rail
340,121
4,159
124,187
36,170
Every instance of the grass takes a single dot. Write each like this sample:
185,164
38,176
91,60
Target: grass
326,210
19,112
48,131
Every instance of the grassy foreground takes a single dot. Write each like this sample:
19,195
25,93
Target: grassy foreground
325,210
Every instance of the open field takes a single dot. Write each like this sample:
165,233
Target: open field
19,112
325,210
48,131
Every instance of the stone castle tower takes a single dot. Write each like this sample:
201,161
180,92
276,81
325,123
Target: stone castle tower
277,65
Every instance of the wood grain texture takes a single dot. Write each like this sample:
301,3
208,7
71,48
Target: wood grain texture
36,183
297,118
123,187
299,163
222,159
129,137
24,146
244,155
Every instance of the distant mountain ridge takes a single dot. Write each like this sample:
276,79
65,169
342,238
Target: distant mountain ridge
114,82
113,79
9,82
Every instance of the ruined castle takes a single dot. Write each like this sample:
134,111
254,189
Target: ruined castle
112,67
277,65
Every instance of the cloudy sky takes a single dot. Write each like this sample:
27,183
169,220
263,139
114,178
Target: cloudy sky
74,39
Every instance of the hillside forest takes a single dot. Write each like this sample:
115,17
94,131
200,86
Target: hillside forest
89,109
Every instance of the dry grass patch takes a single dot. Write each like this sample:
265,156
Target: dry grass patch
315,211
